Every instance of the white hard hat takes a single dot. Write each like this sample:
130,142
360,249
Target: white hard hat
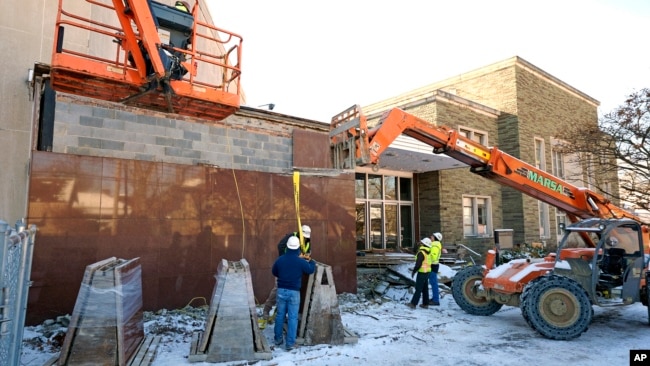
293,243
306,231
438,236
426,242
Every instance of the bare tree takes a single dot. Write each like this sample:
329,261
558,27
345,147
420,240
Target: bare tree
619,146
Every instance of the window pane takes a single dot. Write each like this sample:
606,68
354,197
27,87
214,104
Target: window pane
360,185
482,216
361,226
406,227
376,226
390,188
374,187
405,189
468,217
390,226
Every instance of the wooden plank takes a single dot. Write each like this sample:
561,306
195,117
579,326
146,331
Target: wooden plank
129,315
146,351
232,337
79,307
321,319
217,293
195,355
305,305
261,347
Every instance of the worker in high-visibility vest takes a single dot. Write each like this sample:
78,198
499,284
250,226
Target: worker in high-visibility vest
422,268
435,252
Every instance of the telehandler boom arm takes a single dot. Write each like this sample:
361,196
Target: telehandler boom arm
354,144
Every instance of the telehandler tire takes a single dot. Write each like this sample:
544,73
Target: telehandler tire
557,307
647,293
464,289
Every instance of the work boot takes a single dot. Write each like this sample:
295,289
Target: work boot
435,303
410,305
424,306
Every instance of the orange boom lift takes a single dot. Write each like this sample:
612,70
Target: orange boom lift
147,54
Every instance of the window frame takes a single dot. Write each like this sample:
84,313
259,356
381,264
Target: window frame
489,227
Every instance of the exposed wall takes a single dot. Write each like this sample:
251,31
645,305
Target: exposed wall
182,195
96,128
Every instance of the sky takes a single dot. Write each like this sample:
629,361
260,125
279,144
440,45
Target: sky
315,59
389,333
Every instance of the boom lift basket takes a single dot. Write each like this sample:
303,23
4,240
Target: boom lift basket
148,55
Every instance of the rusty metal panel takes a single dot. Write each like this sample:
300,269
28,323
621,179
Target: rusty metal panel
180,220
311,149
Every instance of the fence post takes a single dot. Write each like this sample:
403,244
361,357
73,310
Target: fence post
23,285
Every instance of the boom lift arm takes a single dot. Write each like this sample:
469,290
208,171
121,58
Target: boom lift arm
354,144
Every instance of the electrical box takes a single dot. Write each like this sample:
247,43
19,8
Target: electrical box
503,238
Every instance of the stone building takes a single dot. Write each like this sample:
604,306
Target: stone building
511,104
182,193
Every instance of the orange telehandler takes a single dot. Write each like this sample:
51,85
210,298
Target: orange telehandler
601,259
147,54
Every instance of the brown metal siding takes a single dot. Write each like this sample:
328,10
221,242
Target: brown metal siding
180,220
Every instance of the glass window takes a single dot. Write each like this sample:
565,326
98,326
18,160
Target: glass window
558,163
406,226
374,187
384,220
477,216
544,225
390,225
405,189
540,162
390,184
475,135
361,226
560,218
376,226
360,185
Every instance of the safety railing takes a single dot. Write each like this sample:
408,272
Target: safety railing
97,44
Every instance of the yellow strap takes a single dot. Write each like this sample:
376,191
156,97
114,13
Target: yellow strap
296,196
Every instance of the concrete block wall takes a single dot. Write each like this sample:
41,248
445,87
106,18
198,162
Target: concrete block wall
97,128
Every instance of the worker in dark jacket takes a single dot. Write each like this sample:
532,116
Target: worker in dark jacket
289,269
423,269
282,247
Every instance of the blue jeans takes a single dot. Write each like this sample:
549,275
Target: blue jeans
288,302
433,281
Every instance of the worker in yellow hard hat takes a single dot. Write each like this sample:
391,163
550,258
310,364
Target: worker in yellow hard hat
183,6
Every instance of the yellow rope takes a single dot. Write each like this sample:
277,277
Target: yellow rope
205,302
296,199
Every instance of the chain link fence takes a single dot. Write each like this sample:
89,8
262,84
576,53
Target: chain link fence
15,271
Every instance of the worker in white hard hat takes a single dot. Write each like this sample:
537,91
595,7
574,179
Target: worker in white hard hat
435,252
422,268
305,252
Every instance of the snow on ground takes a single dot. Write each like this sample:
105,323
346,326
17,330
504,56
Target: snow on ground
389,333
